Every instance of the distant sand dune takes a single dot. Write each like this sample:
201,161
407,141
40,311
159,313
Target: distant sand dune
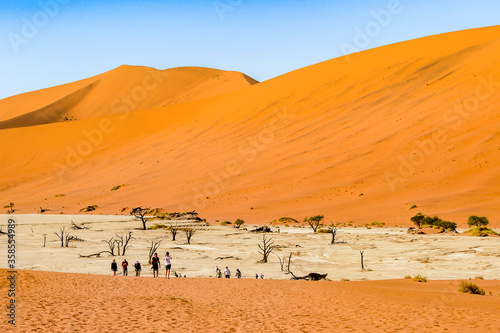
413,123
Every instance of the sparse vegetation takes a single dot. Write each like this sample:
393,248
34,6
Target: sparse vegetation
421,220
59,195
117,187
481,231
224,223
287,220
11,206
238,223
470,288
123,209
314,221
88,208
419,278
413,206
477,221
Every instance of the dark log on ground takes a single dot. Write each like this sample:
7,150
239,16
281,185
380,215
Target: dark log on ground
220,258
309,277
97,255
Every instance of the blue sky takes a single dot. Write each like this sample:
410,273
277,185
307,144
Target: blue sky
51,42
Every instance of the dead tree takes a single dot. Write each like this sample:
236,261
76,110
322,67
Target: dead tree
266,248
42,210
66,239
77,227
44,239
173,230
123,244
314,221
140,213
111,243
189,233
283,261
152,249
362,264
62,236
333,231
2,232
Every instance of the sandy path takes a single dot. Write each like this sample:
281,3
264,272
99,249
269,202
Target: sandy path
50,302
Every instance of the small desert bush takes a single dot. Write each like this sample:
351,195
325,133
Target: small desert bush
225,223
419,278
408,277
287,219
117,187
470,288
158,226
89,208
59,195
480,277
123,209
413,206
377,224
481,231
238,223
323,231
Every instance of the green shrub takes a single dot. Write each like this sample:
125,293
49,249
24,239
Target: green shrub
480,232
59,195
323,231
470,288
225,223
117,187
417,219
477,221
421,220
238,223
414,206
377,224
123,209
287,219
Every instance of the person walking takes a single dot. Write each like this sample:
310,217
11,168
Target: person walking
155,263
137,267
168,265
114,267
238,273
227,273
125,267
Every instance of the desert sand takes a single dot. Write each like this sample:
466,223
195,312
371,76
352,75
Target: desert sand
50,302
359,138
88,298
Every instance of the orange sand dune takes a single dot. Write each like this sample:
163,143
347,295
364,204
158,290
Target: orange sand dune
359,138
61,302
123,89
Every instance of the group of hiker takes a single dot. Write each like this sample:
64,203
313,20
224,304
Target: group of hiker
155,266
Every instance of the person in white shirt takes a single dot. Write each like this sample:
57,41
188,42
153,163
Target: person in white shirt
227,273
168,265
